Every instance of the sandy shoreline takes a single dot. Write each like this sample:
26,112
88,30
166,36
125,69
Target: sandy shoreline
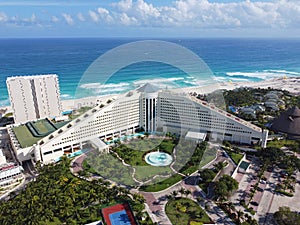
291,84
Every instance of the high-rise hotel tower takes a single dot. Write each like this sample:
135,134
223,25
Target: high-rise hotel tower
34,97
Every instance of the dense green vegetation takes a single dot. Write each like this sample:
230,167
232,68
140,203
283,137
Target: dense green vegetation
184,211
207,176
188,156
57,197
237,216
292,145
286,217
108,167
224,187
272,156
275,156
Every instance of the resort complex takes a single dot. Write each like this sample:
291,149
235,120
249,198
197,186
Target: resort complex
146,108
151,155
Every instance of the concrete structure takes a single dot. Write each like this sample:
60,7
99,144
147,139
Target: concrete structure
9,173
195,136
2,157
146,108
34,97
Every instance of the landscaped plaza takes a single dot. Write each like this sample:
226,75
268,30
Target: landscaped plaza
126,162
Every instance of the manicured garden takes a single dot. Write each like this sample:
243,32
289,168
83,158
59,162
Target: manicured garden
188,158
110,167
184,211
162,185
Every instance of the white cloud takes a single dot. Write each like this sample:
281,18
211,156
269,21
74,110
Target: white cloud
31,19
101,14
68,18
128,20
80,17
94,16
54,19
3,17
190,14
205,14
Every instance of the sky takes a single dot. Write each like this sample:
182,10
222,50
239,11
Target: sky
150,18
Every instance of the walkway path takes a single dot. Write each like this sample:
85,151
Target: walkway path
158,200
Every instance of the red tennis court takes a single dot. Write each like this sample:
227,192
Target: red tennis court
119,214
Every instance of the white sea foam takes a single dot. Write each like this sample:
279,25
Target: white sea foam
66,96
157,81
265,74
195,82
284,71
110,90
103,86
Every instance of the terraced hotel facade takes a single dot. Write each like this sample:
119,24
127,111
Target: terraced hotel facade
146,108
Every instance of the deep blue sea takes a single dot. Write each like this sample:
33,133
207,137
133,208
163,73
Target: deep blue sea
228,59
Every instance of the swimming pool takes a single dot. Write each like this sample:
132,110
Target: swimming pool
71,155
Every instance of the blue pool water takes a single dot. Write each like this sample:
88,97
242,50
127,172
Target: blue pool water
119,218
71,155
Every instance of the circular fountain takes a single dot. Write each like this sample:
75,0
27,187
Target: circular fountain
158,159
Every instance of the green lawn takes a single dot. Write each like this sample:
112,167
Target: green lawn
208,156
144,173
236,157
108,167
161,185
25,137
184,211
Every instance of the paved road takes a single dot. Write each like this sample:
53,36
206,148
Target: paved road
271,200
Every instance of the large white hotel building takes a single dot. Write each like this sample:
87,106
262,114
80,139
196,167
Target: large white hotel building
34,97
148,108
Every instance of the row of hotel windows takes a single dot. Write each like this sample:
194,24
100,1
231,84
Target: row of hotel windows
110,121
94,131
211,127
208,124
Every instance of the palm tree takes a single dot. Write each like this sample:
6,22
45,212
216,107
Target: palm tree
240,216
182,191
187,192
174,194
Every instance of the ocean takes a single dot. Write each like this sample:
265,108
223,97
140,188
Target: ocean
230,60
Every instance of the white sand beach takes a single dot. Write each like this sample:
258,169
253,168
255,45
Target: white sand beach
291,84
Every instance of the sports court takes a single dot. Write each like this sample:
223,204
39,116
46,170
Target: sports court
119,214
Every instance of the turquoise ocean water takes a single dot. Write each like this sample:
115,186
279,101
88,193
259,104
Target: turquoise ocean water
228,59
